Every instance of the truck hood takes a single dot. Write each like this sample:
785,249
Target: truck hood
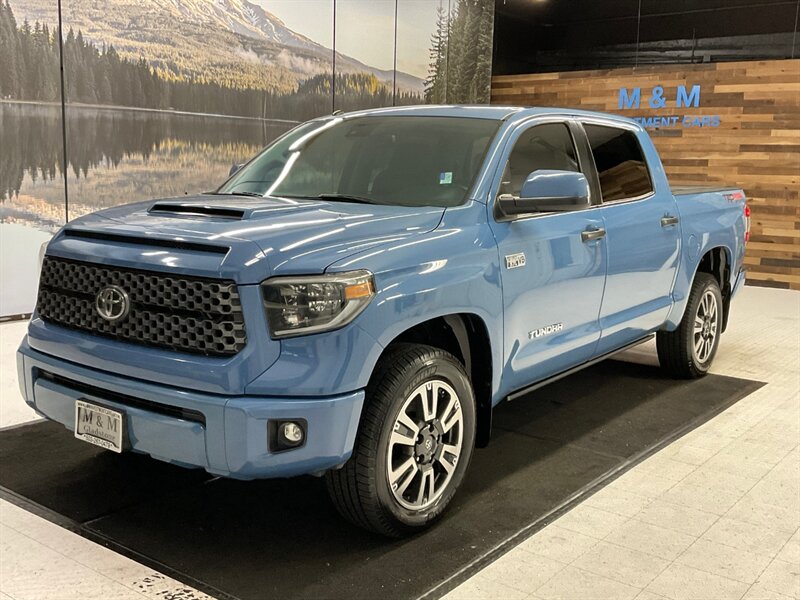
242,238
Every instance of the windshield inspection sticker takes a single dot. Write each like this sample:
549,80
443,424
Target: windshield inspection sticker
445,178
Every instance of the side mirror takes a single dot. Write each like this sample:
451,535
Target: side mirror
235,169
548,191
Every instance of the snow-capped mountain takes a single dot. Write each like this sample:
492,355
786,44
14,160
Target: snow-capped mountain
241,17
230,41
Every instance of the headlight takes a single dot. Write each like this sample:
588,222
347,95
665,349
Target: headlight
42,252
303,305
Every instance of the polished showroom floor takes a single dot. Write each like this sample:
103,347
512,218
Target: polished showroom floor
713,515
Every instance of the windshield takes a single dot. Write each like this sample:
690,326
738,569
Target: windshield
408,160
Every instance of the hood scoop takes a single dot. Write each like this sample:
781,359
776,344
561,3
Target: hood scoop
199,210
140,240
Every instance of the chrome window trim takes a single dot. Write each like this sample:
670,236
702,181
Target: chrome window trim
582,210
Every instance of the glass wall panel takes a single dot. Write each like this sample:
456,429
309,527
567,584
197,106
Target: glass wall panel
469,51
447,44
421,51
559,36
585,34
715,30
364,53
160,104
32,200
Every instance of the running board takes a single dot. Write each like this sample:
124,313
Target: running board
594,361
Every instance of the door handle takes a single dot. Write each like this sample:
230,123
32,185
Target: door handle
592,234
669,220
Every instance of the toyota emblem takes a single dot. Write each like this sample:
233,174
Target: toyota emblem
112,303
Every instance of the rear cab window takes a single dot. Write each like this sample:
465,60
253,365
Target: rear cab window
621,165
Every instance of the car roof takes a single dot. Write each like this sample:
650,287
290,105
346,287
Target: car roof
480,111
476,111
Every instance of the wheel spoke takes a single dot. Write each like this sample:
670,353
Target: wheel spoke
406,421
446,464
430,400
698,347
402,437
426,486
405,430
698,325
451,414
402,477
449,457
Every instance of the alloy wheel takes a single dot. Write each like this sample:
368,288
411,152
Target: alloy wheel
425,445
705,327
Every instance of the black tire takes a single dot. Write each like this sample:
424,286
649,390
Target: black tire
676,349
360,490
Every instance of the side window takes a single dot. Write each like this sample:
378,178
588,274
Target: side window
547,146
620,163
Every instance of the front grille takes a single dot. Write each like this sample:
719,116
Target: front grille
188,314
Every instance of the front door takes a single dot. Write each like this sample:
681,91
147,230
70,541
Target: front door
552,275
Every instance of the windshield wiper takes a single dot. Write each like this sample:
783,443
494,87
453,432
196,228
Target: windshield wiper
254,194
347,198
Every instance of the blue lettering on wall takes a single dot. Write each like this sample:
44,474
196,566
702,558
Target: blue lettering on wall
631,98
692,99
657,99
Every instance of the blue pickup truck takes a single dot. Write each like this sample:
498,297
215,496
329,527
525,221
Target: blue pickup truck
355,300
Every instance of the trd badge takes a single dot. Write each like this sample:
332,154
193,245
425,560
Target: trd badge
515,260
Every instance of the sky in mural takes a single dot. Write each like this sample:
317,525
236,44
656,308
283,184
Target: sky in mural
415,24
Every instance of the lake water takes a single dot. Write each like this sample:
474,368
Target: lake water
114,157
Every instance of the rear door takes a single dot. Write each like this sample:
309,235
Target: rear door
642,236
552,277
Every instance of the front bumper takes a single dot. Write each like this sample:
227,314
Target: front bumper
225,435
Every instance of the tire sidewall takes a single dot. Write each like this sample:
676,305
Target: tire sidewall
705,284
449,371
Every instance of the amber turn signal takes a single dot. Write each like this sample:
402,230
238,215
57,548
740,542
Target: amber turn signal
358,290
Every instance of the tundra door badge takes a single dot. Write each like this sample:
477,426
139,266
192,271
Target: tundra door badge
515,260
546,330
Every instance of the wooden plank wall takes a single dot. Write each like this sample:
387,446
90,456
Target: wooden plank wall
756,145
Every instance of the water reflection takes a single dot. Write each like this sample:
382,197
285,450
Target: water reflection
114,156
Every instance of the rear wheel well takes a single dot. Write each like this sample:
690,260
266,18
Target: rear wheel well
464,336
715,262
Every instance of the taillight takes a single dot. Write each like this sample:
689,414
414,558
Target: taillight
746,223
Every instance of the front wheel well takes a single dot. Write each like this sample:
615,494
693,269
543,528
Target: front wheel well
716,263
466,337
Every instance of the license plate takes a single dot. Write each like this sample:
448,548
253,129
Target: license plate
99,425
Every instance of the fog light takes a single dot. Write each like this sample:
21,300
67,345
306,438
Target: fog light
286,435
291,433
